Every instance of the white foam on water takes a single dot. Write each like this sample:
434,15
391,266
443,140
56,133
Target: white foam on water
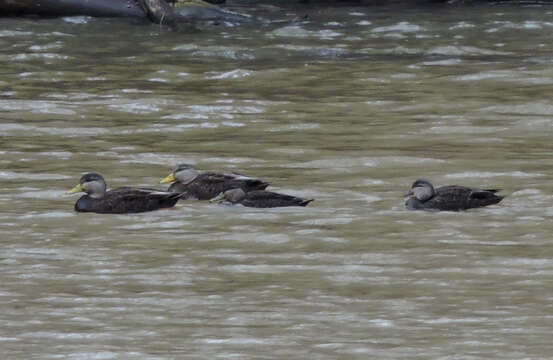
37,106
296,31
234,53
56,154
403,27
233,124
488,75
77,19
186,47
532,108
33,56
10,33
465,129
50,46
136,107
42,194
526,192
49,215
402,50
447,62
487,174
233,74
463,50
190,116
10,175
363,23
462,25
161,80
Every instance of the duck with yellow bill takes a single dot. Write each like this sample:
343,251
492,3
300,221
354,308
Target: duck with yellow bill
195,185
121,200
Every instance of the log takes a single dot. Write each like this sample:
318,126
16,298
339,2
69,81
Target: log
100,8
158,11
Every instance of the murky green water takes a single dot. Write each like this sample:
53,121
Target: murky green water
348,108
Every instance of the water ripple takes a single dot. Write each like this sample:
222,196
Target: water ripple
404,27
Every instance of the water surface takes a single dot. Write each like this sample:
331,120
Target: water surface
348,108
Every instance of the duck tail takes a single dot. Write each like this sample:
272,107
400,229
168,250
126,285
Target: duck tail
305,202
262,185
492,200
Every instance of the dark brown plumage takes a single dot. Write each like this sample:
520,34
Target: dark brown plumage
205,186
448,198
121,200
261,199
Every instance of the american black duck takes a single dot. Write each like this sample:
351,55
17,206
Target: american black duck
423,196
260,198
121,200
204,186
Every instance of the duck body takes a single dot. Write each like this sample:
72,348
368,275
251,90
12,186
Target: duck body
449,198
125,200
261,199
207,185
122,200
210,184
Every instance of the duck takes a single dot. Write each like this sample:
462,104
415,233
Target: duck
194,185
121,200
259,198
423,196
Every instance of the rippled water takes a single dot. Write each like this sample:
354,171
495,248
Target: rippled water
348,108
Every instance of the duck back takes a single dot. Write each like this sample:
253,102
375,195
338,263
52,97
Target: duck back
268,199
125,200
210,184
456,198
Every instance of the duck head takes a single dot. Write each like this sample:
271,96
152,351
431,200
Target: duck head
183,173
91,183
232,195
422,190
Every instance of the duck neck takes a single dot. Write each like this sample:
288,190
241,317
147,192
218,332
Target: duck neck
96,189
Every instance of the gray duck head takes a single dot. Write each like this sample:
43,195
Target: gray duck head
91,183
422,190
184,173
233,195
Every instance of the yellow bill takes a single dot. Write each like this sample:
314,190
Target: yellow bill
169,178
76,189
